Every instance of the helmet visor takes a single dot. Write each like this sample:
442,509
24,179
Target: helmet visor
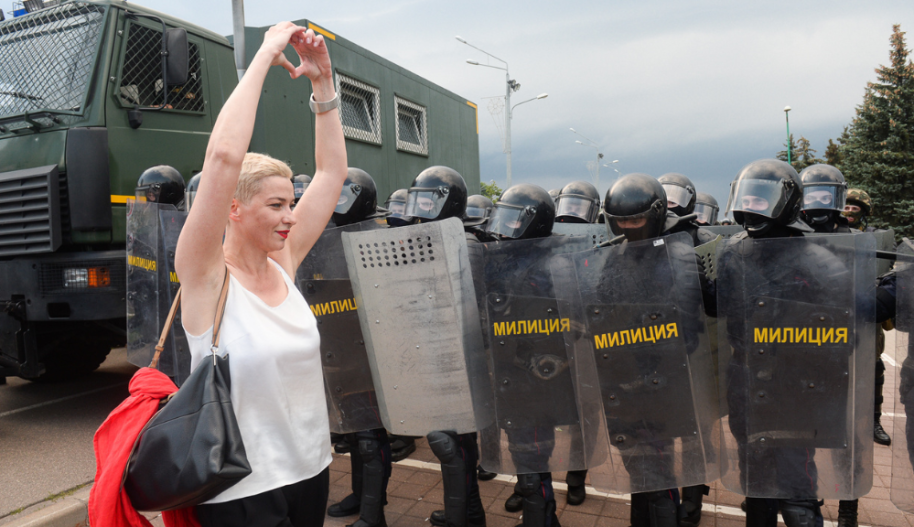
149,192
764,197
396,207
426,202
677,196
707,214
477,213
822,197
577,206
347,198
510,221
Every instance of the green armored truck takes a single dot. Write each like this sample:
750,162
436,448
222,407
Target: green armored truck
93,92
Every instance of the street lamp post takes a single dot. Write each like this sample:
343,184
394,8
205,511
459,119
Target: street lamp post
787,116
593,144
511,85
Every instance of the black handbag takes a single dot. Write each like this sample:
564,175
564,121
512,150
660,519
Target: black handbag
191,450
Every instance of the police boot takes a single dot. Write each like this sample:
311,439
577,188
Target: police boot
655,509
340,443
879,434
576,491
484,475
453,475
691,504
375,454
515,502
761,512
847,513
801,513
350,504
539,500
401,447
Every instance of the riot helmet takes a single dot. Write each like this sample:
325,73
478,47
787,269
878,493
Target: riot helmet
479,208
680,193
766,193
437,193
578,202
706,208
300,184
160,184
190,193
358,199
396,207
824,193
554,194
635,206
524,211
857,207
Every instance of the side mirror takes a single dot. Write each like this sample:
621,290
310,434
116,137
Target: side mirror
178,58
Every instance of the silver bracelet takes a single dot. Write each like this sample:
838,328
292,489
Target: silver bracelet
321,107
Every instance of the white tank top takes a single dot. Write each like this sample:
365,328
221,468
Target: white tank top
277,387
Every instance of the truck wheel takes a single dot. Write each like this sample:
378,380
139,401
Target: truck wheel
72,359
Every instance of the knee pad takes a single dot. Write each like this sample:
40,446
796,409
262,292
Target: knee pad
444,446
529,483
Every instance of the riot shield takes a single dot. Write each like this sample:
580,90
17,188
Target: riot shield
152,236
797,345
420,321
643,340
902,493
597,233
885,241
725,230
538,424
324,281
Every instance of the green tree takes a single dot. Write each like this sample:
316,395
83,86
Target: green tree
782,155
878,155
802,154
491,190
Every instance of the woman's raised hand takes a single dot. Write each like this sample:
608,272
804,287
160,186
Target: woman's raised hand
312,51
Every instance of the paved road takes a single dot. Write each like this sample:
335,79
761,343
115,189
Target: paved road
46,431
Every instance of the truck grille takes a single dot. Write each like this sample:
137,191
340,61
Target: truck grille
29,211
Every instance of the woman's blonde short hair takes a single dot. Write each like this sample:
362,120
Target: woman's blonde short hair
254,169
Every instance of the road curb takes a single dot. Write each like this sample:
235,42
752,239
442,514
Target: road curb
71,511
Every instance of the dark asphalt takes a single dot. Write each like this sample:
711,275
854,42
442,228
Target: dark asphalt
46,431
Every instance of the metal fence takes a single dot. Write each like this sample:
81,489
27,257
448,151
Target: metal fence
141,73
47,58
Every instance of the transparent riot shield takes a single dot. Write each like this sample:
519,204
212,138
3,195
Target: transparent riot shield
418,313
596,232
642,338
902,493
724,230
797,344
538,424
152,283
142,281
885,241
324,281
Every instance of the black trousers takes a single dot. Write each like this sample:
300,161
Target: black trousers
301,504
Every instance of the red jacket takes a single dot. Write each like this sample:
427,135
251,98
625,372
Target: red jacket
109,505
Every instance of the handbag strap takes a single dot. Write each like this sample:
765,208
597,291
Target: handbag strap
220,310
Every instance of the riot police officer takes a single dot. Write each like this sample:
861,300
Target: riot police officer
300,184
396,206
527,212
766,198
578,202
439,193
161,184
370,450
681,199
824,192
190,192
706,208
636,207
479,210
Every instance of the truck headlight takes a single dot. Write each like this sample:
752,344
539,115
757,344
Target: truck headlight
85,277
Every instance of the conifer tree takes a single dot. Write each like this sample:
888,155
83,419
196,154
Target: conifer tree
878,152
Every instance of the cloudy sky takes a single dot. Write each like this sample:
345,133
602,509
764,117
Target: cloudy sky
696,87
